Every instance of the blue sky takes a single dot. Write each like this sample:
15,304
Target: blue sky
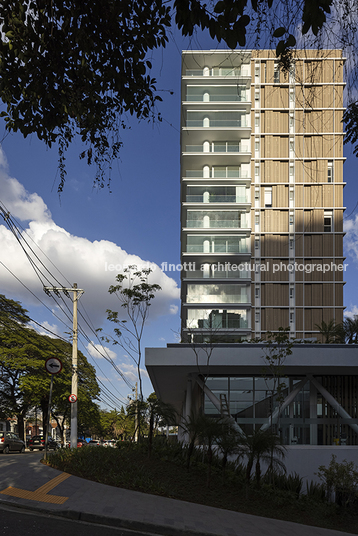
139,221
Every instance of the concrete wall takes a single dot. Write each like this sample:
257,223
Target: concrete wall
305,459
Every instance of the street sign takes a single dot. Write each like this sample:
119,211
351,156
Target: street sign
72,398
53,365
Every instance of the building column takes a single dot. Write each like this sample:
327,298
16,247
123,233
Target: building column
313,414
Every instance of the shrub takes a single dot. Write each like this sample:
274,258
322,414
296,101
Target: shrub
340,478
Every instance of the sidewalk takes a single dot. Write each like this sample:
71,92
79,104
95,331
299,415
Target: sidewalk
25,482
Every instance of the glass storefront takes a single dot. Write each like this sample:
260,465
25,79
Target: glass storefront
307,419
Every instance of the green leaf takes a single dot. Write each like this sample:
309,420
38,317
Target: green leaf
279,32
220,7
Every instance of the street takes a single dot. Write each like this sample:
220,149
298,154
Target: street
25,523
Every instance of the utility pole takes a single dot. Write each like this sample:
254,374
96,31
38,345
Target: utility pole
136,413
77,293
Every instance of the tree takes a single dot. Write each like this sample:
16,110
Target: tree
24,383
331,332
76,67
277,347
135,295
159,414
261,446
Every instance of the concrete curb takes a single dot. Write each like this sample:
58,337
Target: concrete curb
96,519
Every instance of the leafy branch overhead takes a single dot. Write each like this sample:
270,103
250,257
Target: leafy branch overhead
78,67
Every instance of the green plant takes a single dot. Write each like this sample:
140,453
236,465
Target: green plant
340,478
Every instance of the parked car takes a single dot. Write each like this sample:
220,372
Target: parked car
110,443
80,443
10,442
38,442
95,443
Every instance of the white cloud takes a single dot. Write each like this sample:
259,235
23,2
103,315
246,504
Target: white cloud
129,370
99,352
51,330
351,238
351,312
80,260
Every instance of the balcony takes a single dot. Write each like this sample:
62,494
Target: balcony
217,293
216,199
219,172
218,147
217,94
217,224
221,123
214,219
217,244
220,71
217,319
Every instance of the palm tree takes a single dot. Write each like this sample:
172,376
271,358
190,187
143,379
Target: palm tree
261,446
329,332
159,413
350,326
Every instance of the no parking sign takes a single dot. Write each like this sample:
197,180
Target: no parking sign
72,398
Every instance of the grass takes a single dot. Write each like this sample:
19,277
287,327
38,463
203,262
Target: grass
165,474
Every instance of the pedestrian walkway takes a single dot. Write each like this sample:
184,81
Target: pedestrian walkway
25,482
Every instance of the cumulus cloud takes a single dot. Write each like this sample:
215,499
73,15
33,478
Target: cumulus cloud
91,264
351,238
129,370
351,312
99,352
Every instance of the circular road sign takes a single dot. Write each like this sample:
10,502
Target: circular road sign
53,365
72,398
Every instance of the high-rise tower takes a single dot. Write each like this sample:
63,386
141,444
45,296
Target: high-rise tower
262,194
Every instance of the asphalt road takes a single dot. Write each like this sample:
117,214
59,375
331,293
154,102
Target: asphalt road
21,522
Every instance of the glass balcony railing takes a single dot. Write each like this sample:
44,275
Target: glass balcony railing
218,148
218,274
217,98
221,245
220,173
219,71
217,224
224,123
216,199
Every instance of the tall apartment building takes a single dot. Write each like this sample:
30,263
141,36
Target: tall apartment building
261,194
262,248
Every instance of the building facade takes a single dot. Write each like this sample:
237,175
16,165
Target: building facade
262,248
261,194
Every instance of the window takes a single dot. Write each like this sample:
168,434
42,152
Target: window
257,170
328,221
268,196
292,148
292,123
292,318
276,74
257,194
292,292
257,73
257,317
257,292
256,242
292,173
330,171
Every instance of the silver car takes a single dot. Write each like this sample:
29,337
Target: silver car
10,442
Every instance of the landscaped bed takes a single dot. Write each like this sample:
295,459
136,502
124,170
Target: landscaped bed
165,473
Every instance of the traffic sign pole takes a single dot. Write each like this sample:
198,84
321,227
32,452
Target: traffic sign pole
48,417
53,366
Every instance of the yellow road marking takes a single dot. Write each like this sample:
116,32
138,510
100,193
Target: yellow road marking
41,494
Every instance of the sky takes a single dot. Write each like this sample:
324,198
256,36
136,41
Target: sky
80,234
